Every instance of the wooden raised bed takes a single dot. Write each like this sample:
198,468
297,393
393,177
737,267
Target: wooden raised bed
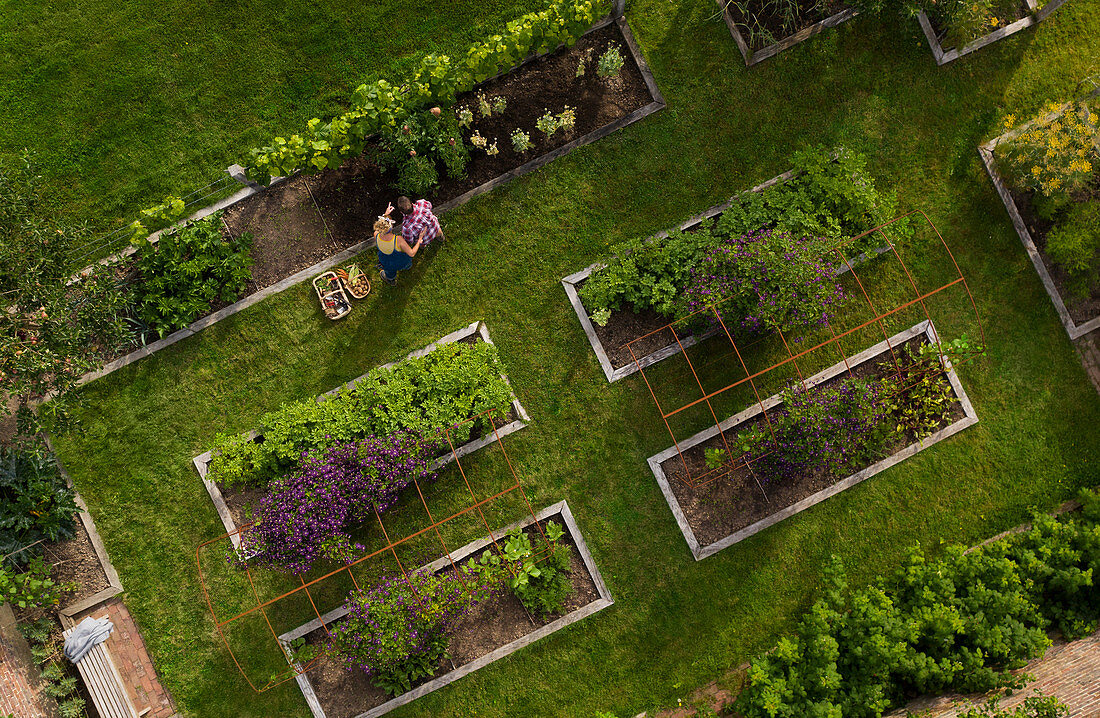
1073,316
701,517
610,352
352,196
1033,16
476,330
340,693
758,55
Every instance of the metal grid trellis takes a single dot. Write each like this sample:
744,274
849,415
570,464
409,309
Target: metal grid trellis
476,506
750,379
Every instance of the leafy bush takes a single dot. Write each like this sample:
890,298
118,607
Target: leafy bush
423,394
396,631
610,63
36,503
419,146
186,270
1075,245
1034,707
830,197
767,280
435,81
1055,156
916,396
955,624
306,515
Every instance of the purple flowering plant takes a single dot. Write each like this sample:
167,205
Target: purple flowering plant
768,279
836,427
306,514
398,630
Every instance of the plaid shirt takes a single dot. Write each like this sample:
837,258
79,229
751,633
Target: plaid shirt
416,221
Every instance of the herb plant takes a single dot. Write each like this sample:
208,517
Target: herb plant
36,503
537,574
567,118
521,141
1054,156
465,116
714,457
547,124
610,63
1075,245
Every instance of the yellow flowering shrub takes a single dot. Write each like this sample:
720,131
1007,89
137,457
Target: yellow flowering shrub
1057,156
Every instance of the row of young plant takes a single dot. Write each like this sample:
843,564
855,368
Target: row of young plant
398,631
428,142
58,679
958,22
1056,162
955,624
840,427
328,465
770,258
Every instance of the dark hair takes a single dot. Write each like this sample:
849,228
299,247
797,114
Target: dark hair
404,203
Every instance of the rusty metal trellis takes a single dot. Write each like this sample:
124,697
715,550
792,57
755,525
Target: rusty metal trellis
476,505
739,460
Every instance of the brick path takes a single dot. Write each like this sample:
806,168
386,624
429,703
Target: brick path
1088,348
18,673
1070,671
127,650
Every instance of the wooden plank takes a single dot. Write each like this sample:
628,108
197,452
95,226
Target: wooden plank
104,683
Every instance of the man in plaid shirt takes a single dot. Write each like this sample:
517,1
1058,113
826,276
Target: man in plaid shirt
419,222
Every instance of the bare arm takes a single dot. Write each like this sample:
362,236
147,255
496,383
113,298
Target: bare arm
404,246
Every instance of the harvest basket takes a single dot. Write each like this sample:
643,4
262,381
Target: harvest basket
334,301
355,281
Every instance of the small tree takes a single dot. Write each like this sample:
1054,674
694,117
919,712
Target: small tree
51,331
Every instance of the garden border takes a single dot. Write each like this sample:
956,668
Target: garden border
942,57
114,583
616,16
202,461
570,284
970,418
985,150
603,601
752,58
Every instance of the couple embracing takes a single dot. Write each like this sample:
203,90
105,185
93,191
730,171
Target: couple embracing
418,227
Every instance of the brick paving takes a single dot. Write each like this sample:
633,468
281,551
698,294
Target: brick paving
1070,671
18,673
1088,348
127,649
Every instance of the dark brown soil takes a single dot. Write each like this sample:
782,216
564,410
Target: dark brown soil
769,26
352,196
344,693
731,502
242,501
75,560
1081,308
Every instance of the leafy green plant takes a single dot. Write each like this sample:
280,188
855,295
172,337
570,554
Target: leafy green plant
31,589
1039,706
1056,155
537,575
916,395
416,176
610,63
483,106
423,394
36,503
715,457
72,708
567,118
465,116
58,681
186,270
521,141
499,103
547,124
1075,245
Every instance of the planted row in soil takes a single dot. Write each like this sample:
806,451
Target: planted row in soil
291,234
767,25
734,501
1081,308
345,692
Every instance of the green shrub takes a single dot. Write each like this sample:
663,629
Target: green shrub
423,394
416,176
1075,245
31,589
537,572
956,624
186,270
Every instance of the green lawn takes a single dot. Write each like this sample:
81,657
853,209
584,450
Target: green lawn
870,85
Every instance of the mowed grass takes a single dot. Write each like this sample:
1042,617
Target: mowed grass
870,85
